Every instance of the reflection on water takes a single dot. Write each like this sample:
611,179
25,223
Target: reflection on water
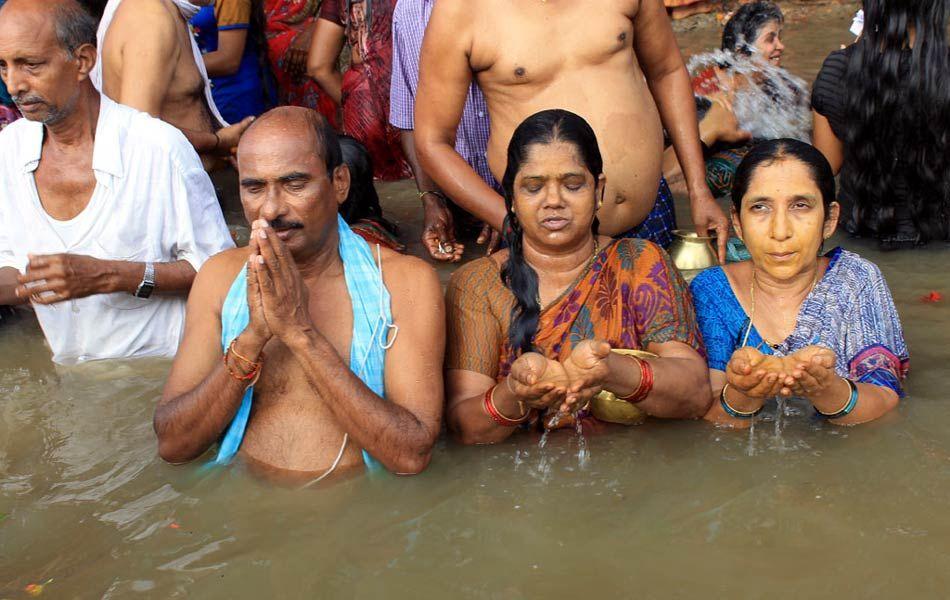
657,510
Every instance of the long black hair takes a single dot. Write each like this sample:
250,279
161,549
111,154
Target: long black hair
898,110
766,153
362,201
545,127
742,30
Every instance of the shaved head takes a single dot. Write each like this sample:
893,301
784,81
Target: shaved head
296,122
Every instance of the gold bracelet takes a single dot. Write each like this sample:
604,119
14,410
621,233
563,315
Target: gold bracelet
491,400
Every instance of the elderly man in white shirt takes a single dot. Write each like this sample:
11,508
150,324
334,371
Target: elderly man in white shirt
106,213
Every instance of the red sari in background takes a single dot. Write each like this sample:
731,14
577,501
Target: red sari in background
369,32
285,21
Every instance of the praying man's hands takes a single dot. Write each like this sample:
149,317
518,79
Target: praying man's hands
257,324
587,371
283,296
54,278
538,381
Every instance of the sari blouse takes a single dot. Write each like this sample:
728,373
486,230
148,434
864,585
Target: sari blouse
631,295
850,311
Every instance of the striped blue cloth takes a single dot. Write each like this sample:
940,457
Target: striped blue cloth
373,329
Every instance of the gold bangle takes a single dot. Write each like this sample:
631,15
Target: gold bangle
491,400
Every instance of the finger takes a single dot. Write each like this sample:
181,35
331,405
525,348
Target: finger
264,237
38,261
483,235
722,237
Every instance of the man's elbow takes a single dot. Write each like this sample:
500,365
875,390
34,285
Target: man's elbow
413,464
171,449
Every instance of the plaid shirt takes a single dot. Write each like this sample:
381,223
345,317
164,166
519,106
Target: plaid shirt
410,18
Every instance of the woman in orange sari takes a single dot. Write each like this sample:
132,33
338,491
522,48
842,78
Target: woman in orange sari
532,328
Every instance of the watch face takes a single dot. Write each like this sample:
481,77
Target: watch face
144,290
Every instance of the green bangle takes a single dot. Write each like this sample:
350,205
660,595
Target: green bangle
848,406
737,414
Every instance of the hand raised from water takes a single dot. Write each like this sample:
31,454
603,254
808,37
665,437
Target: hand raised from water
538,381
756,375
284,297
587,371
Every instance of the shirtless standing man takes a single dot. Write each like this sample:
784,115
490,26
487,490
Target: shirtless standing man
614,62
146,61
293,284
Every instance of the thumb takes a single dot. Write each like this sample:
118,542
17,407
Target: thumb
600,349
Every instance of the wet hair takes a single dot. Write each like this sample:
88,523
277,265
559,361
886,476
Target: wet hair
362,201
75,27
743,28
545,127
897,102
769,152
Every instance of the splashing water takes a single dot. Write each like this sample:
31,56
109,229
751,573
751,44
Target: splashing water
768,101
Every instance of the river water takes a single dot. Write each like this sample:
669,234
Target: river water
666,509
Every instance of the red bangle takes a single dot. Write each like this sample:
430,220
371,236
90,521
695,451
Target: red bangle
646,383
496,416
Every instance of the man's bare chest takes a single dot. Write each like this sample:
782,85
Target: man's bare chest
65,189
534,42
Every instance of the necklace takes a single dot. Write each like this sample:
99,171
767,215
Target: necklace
784,317
574,283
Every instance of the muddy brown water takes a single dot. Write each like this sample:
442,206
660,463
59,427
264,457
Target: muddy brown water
663,510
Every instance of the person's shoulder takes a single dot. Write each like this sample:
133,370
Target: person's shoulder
474,273
216,275
408,273
834,66
16,132
707,279
154,135
855,267
157,12
640,251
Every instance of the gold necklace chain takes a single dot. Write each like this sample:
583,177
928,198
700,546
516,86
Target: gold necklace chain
574,283
784,317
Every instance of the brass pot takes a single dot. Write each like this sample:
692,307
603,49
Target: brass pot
692,252
607,407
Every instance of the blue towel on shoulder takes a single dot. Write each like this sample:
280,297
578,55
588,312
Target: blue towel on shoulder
372,323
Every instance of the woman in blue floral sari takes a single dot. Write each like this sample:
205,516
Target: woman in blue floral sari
791,322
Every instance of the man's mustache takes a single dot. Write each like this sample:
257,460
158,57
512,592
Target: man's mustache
28,100
278,224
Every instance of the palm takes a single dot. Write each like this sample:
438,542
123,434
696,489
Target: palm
539,381
586,368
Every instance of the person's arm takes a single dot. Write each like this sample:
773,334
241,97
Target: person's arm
8,286
201,396
444,80
325,48
226,60
826,141
680,384
666,75
399,430
53,278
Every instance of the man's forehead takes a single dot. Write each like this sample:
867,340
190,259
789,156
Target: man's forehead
23,31
284,149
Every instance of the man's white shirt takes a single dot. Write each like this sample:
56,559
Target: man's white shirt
153,202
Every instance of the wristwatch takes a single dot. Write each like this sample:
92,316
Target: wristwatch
148,282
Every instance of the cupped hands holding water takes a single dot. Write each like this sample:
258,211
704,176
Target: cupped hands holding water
808,373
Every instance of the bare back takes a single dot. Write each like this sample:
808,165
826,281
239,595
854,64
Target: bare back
531,55
148,64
